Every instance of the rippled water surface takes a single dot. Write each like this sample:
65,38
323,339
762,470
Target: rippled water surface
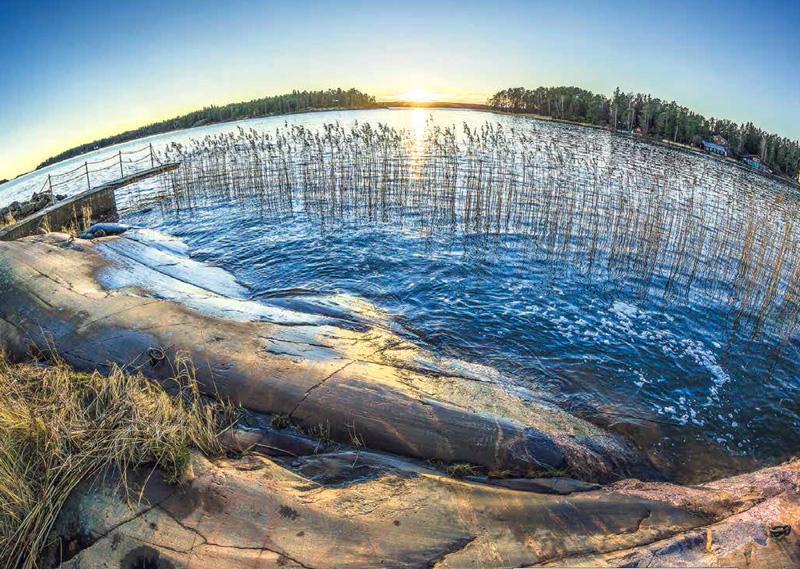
650,290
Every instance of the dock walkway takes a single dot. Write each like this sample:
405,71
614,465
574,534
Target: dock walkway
100,199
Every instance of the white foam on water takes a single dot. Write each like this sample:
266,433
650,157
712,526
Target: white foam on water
639,325
704,357
628,322
624,310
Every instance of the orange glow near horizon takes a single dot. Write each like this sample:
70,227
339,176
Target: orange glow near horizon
422,96
417,95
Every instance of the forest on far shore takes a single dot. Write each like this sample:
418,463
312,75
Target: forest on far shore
636,112
652,117
293,102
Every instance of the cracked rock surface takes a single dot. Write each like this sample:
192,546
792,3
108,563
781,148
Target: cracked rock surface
256,512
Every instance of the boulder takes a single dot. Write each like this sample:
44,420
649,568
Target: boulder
20,210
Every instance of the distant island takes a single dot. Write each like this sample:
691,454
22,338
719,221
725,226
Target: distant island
645,115
635,113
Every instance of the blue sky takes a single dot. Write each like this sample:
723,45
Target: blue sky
74,71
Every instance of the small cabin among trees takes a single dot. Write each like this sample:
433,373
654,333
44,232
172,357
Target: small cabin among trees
716,148
755,161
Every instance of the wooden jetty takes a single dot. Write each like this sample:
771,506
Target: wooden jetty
100,199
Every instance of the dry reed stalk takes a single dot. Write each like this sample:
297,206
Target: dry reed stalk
607,207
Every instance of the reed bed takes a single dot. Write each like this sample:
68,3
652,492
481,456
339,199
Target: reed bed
59,427
591,202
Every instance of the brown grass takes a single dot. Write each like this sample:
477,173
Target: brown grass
461,470
86,217
59,426
7,220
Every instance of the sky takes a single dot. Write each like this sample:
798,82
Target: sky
71,72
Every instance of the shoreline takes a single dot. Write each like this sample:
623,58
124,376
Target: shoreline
291,358
298,484
339,334
656,142
149,136
445,105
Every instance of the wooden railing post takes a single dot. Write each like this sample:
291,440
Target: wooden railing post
152,158
88,184
121,173
50,183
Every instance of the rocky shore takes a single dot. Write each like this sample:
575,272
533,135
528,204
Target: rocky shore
371,426
329,364
20,210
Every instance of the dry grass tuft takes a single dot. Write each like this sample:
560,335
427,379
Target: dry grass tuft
461,470
281,421
59,426
86,217
7,220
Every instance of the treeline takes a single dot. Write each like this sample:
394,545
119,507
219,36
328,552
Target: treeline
293,102
652,117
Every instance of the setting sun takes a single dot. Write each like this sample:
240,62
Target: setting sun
417,96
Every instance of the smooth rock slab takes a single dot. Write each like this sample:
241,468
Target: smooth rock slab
119,301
